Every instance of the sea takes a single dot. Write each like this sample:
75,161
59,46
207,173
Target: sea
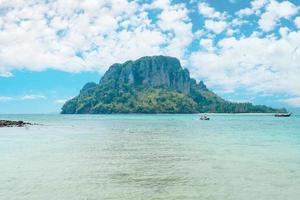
151,157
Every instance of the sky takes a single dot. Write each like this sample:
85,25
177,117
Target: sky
244,50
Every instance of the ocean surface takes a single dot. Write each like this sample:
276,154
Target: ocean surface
161,157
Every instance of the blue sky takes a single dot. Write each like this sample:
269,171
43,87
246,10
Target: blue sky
245,50
41,92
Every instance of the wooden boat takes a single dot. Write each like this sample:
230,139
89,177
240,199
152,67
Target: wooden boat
283,114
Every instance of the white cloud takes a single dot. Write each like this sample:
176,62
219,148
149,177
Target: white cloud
245,12
21,98
83,35
209,12
6,74
60,101
215,21
295,101
259,64
5,98
270,12
283,31
216,26
297,22
162,4
207,44
256,6
230,31
33,97
274,12
174,20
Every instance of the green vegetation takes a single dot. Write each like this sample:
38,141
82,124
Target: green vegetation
152,85
129,100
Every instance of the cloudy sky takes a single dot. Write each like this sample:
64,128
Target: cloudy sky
245,50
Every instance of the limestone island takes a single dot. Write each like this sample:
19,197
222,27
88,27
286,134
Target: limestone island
156,84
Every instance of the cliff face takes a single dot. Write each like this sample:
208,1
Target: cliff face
155,84
157,71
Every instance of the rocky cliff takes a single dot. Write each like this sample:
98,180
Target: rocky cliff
156,71
155,84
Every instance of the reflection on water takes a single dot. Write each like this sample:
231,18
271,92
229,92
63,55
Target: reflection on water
151,157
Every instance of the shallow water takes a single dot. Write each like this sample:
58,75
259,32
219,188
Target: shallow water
230,157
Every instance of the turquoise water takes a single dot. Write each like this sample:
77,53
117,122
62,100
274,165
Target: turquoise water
230,157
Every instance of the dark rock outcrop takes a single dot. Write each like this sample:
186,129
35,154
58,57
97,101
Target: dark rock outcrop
8,123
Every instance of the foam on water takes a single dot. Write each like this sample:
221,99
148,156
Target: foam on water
151,157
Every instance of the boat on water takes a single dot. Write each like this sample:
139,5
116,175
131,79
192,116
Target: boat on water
283,114
204,117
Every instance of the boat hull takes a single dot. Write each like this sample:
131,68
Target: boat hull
283,115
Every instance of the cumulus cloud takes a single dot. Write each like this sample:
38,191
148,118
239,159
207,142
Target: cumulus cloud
270,12
297,22
255,8
216,26
260,64
274,12
207,44
215,21
175,21
88,34
209,12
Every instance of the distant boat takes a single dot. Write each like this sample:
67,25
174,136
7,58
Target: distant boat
283,114
204,117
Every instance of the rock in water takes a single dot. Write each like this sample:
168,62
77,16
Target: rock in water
7,123
156,84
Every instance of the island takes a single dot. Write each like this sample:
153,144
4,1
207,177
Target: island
153,84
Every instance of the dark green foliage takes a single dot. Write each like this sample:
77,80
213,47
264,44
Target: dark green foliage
129,100
152,85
